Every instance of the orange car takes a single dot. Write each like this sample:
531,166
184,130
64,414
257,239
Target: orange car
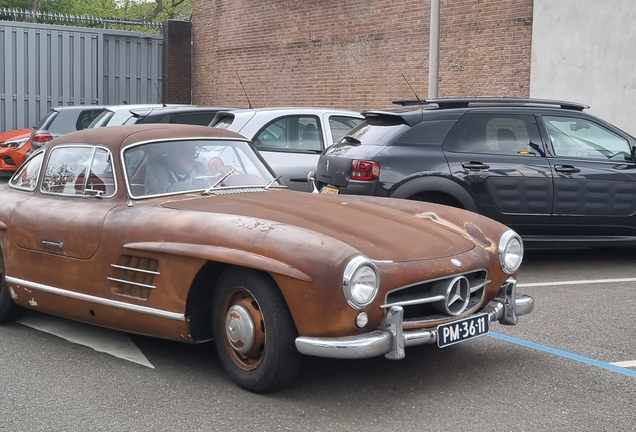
13,146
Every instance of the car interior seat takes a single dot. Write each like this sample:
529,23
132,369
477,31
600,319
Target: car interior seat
311,139
507,140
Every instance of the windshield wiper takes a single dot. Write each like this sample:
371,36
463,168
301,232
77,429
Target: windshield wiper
272,182
218,182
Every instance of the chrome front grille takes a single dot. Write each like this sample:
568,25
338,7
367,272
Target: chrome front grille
429,300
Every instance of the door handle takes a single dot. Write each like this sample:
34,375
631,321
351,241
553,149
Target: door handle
472,165
567,169
58,245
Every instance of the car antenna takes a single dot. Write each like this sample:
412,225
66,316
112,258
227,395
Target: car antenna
160,97
246,97
416,96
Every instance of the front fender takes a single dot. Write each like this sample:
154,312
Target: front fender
222,254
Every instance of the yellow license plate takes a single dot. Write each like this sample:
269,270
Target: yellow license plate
330,190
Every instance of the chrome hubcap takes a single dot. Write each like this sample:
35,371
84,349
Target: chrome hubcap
239,328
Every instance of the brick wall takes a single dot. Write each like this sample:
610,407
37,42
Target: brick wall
351,53
177,62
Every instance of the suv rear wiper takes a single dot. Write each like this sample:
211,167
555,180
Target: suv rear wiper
352,140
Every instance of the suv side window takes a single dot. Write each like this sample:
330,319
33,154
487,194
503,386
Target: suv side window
86,118
580,138
340,125
294,132
494,134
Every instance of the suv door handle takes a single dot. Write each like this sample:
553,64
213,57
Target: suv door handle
567,169
472,165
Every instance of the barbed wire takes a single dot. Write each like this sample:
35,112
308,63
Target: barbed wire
21,15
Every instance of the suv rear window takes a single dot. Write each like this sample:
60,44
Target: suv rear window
46,121
378,130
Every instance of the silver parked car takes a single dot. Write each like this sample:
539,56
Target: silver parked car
290,139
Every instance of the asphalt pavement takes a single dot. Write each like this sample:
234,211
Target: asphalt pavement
553,371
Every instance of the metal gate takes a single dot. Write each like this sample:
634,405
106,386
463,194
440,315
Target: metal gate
45,65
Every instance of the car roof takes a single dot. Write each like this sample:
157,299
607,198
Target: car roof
77,107
117,137
293,110
414,111
131,107
179,109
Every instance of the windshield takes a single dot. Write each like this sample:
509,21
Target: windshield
171,167
102,119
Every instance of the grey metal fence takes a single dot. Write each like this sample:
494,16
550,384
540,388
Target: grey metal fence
44,65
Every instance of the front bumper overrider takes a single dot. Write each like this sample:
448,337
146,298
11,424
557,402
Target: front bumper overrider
390,340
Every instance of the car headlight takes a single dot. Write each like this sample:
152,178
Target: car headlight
14,144
510,252
360,282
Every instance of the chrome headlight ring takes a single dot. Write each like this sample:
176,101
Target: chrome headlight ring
510,252
360,282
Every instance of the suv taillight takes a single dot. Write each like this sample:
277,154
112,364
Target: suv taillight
364,170
41,138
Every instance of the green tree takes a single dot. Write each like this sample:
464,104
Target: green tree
156,10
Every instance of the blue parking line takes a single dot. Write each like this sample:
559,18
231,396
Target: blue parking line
564,354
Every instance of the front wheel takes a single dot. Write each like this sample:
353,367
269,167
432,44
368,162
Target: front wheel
9,311
254,332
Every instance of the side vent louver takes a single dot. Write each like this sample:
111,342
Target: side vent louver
134,276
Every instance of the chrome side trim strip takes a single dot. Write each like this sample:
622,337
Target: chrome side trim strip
135,269
131,283
97,300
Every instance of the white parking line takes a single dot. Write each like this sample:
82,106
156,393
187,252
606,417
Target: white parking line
576,282
626,364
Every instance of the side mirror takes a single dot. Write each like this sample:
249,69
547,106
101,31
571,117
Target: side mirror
633,153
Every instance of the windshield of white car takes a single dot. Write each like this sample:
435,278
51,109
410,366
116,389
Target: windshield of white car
183,166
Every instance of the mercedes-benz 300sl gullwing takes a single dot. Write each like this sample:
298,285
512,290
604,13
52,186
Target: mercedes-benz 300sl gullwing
184,233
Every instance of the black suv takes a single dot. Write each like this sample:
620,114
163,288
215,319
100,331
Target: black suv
556,175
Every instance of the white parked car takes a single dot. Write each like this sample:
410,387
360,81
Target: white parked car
290,139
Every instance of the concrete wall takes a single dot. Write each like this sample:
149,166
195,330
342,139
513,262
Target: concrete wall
585,51
351,53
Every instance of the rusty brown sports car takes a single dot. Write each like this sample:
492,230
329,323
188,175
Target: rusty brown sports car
184,233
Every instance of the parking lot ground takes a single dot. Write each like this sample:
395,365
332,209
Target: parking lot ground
498,382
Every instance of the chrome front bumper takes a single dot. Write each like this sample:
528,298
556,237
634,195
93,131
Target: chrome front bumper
390,340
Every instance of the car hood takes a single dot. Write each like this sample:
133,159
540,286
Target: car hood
379,232
15,134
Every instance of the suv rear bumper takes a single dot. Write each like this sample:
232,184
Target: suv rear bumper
390,340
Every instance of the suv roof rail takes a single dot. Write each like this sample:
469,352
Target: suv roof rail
446,103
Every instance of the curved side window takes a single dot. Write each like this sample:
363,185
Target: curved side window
292,133
79,171
26,178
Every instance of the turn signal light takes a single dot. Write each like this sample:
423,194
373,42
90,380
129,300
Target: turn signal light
365,170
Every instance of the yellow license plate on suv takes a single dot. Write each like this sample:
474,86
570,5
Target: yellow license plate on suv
330,190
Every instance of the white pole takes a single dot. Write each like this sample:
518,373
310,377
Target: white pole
433,52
